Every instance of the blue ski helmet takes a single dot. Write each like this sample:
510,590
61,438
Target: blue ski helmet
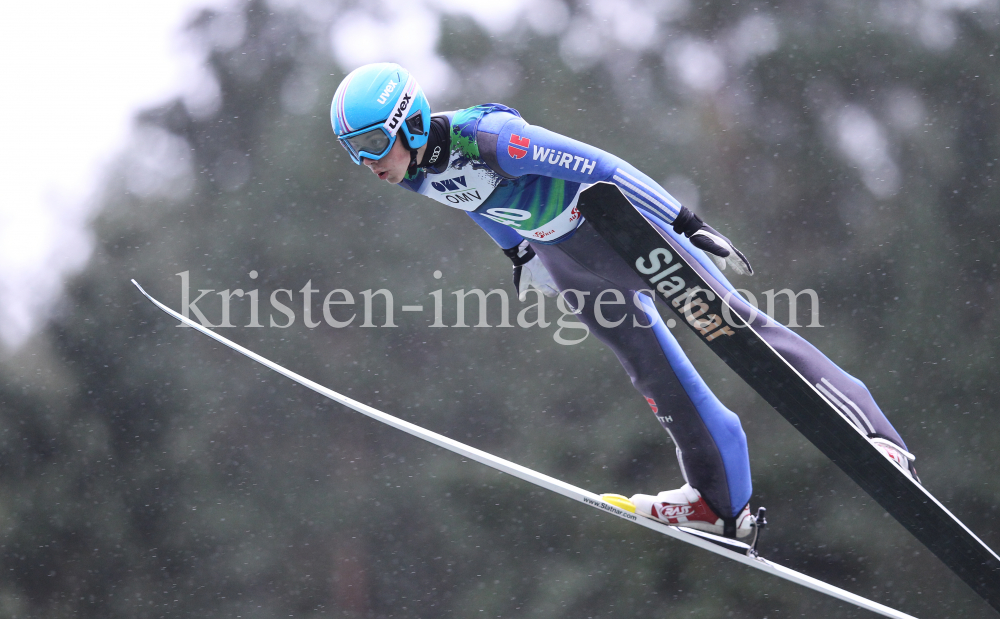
372,104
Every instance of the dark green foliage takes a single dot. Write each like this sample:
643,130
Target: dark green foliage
146,472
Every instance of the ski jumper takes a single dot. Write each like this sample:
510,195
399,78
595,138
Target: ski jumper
520,181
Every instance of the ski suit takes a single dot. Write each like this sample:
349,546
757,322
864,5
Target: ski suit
519,181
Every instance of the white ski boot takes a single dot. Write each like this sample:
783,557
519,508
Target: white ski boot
899,456
684,507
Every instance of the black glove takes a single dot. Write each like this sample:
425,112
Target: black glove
529,272
707,239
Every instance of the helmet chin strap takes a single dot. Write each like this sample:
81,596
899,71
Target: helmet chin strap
412,168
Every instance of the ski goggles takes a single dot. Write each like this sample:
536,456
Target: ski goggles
374,141
371,143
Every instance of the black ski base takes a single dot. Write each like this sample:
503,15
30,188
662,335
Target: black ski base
743,350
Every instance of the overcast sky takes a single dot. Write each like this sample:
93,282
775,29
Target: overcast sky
73,75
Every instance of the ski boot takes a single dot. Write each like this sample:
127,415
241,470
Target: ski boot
899,456
684,507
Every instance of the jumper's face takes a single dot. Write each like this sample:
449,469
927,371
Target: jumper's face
392,167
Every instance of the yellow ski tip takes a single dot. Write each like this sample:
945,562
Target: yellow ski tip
619,501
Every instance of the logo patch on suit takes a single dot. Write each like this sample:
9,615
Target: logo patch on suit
564,160
518,146
457,190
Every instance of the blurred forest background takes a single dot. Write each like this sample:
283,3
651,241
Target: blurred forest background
848,147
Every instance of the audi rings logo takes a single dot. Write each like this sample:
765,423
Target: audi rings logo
434,155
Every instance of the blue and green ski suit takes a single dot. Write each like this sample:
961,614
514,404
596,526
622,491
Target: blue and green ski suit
520,181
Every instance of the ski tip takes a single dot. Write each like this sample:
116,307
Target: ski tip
619,501
141,289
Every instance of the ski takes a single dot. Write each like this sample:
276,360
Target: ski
743,349
728,548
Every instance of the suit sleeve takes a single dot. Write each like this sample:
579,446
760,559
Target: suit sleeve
529,149
505,236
